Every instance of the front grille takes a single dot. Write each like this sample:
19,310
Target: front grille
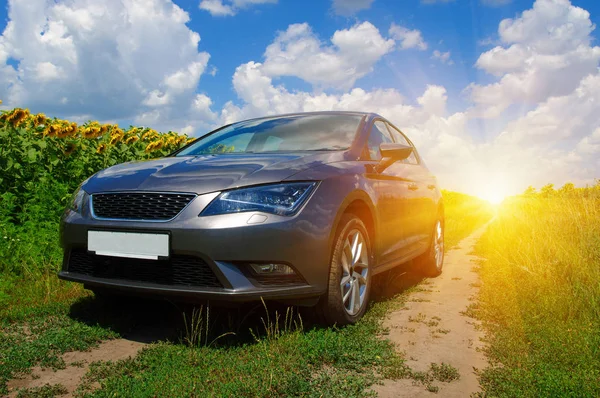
148,206
176,271
283,280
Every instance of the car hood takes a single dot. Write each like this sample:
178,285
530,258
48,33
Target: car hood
206,173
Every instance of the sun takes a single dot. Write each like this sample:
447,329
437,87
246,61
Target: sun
495,197
494,191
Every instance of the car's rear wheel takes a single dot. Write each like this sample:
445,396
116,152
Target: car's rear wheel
431,262
349,287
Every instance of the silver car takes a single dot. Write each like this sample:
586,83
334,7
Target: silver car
302,208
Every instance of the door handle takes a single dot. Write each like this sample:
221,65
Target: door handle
413,186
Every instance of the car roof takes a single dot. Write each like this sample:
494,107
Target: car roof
369,115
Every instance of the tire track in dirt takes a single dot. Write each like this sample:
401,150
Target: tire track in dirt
432,328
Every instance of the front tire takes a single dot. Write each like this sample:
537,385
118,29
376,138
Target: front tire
349,286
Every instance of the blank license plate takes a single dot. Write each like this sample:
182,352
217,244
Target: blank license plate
128,244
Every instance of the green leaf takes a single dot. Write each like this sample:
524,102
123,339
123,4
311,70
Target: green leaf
32,154
42,144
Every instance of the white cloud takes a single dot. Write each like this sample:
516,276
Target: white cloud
590,145
224,8
560,121
201,108
113,59
45,71
434,100
216,8
547,51
349,7
443,57
157,98
407,38
351,55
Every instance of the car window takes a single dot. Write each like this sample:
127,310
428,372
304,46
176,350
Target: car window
399,138
272,143
378,135
233,144
327,132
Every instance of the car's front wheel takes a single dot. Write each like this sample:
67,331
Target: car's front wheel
349,287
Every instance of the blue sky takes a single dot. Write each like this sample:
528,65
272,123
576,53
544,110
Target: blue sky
479,85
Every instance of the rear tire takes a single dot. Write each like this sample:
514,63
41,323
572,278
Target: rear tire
431,262
349,287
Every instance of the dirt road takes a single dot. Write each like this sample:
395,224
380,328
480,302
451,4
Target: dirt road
433,328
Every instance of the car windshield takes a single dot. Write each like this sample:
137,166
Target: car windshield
280,134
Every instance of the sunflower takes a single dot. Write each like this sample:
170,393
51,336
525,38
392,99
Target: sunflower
66,129
181,139
150,135
39,119
189,140
131,140
91,132
52,130
73,129
115,138
17,116
171,140
101,148
104,129
154,146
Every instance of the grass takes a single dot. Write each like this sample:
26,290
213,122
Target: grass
540,297
323,362
463,214
204,351
45,391
443,372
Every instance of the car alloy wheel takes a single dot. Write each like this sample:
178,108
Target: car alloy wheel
438,245
349,286
355,270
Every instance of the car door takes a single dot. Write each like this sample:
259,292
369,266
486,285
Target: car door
392,193
421,207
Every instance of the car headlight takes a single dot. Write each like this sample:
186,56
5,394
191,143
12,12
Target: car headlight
77,200
282,199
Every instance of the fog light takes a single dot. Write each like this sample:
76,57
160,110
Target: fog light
272,269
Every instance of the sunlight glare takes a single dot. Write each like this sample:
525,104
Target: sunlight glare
495,191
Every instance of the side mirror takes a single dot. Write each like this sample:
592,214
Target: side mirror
394,151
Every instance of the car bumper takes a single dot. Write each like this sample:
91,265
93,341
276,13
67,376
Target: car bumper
226,244
194,293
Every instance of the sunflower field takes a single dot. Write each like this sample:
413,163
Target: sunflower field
38,149
42,161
